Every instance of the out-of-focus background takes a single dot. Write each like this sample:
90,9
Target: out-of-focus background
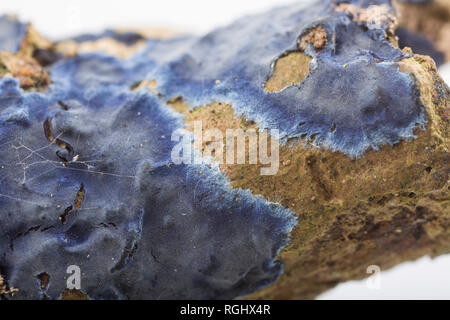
422,279
58,19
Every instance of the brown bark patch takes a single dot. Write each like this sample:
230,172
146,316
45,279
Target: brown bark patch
316,36
288,70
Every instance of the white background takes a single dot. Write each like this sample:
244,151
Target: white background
422,279
57,19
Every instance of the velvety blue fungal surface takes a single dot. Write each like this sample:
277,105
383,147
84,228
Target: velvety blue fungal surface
11,33
145,228
86,176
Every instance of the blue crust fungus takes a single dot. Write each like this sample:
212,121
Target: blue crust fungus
88,181
86,176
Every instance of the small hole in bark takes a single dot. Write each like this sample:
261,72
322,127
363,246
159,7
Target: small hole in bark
44,278
63,106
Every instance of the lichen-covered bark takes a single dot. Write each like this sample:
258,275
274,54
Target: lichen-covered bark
430,19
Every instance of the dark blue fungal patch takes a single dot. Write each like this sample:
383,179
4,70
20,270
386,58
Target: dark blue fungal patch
353,85
12,33
87,72
137,225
